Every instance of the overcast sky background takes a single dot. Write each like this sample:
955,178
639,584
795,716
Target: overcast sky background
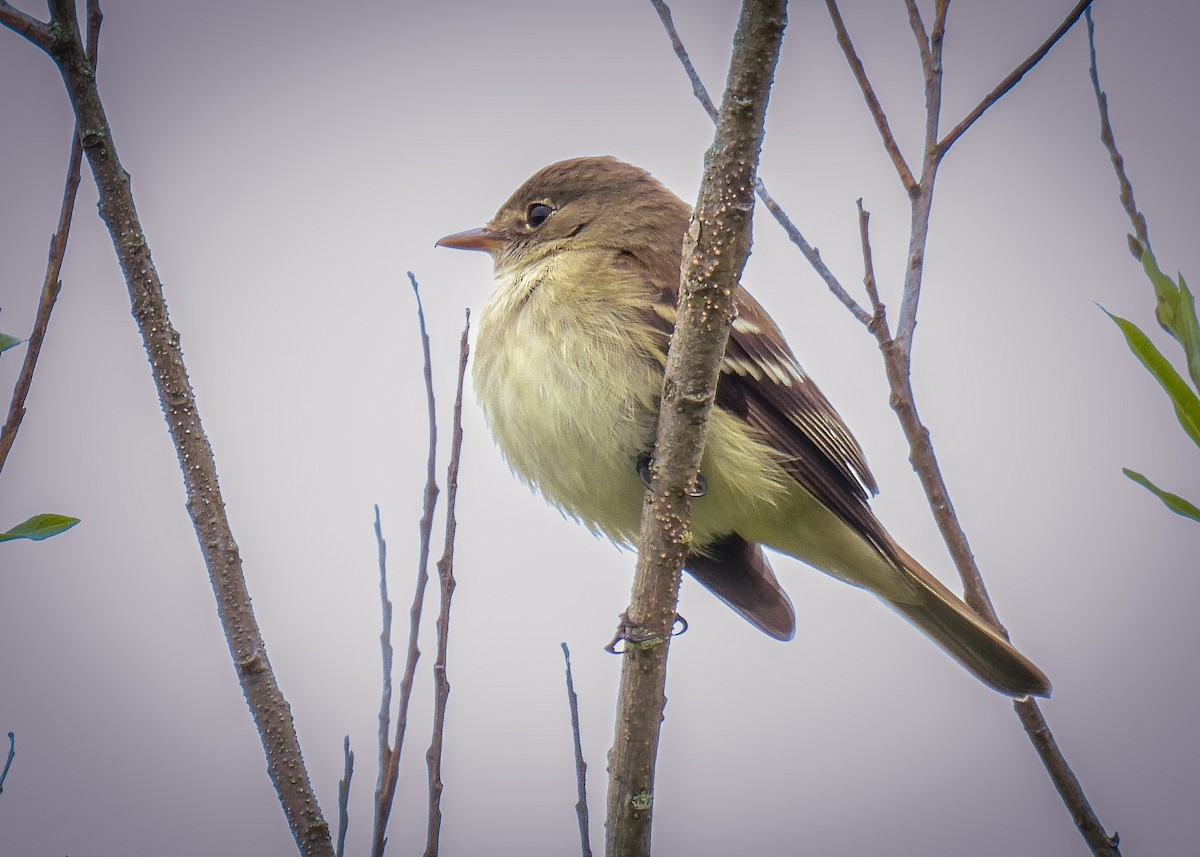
292,161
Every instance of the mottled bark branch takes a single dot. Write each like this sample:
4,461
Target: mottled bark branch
205,504
714,254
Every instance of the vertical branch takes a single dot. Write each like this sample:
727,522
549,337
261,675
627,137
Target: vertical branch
714,254
1140,230
12,754
581,806
389,772
445,567
344,798
205,503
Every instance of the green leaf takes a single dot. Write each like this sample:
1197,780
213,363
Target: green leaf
1186,402
1174,502
7,342
40,527
1176,312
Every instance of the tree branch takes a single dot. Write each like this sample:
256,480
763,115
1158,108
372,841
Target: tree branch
1140,229
714,254
37,32
873,105
389,757
206,506
1009,82
51,285
811,253
445,567
581,805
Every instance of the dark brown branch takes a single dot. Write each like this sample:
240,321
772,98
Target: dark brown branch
811,253
1009,82
1140,229
389,771
344,798
873,105
445,567
205,503
51,285
581,805
714,254
37,32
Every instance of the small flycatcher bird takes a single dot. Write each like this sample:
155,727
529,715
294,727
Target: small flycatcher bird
568,370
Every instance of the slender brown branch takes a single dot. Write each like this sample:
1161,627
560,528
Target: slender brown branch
344,798
1140,229
205,503
714,255
445,567
917,25
1009,82
878,325
873,105
581,805
37,32
389,774
811,253
51,285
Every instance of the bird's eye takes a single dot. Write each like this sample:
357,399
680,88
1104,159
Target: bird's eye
537,214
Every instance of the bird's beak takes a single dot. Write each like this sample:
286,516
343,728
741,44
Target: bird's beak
473,239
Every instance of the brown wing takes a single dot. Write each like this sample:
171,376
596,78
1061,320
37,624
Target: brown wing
763,383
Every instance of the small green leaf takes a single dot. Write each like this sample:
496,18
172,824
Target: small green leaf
7,342
40,527
1186,402
1174,502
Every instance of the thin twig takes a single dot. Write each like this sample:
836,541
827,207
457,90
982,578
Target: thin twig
385,783
1009,82
205,502
1140,229
51,284
389,775
581,805
873,105
12,754
344,798
878,325
811,253
445,567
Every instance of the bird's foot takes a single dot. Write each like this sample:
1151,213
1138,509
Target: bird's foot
645,469
632,634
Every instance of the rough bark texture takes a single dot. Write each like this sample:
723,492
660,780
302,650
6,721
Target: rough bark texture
714,254
271,712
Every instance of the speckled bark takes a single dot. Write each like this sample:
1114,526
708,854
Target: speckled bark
714,254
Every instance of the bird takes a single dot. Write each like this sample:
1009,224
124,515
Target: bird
568,369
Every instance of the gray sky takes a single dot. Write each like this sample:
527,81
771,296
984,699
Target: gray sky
292,161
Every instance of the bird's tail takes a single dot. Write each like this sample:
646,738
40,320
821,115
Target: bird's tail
960,631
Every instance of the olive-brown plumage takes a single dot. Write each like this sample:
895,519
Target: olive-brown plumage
568,370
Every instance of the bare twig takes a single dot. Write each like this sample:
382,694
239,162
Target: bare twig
878,324
206,505
1009,82
811,253
1140,230
714,255
581,806
445,567
51,285
897,362
389,771
344,798
12,754
873,105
